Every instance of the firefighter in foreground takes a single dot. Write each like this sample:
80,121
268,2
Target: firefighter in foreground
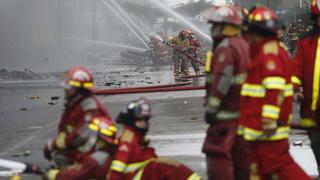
181,61
266,101
225,151
134,158
81,146
194,50
307,75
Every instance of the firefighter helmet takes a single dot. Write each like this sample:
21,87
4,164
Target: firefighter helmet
224,14
191,34
135,110
264,18
79,77
315,9
107,131
183,33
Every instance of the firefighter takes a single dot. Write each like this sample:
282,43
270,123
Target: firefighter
306,71
225,151
180,59
134,158
194,50
266,101
80,107
101,133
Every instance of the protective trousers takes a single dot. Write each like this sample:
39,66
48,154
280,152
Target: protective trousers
195,64
166,169
271,160
95,166
226,153
182,59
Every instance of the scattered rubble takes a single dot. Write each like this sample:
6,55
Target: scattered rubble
55,98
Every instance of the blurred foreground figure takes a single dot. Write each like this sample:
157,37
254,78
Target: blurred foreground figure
225,151
307,75
134,158
86,135
266,101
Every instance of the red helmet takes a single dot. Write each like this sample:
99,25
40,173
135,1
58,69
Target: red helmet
79,77
183,33
107,131
264,18
315,9
224,14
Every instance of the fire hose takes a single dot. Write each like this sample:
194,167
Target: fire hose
184,53
180,86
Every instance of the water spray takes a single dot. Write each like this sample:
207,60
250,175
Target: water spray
110,44
121,18
129,19
178,16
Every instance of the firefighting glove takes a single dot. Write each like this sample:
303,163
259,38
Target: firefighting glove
47,150
269,126
210,115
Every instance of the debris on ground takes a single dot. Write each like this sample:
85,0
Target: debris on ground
55,98
35,97
26,153
23,109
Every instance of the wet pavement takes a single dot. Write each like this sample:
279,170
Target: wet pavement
29,116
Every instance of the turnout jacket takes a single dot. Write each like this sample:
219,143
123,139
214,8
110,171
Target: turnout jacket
226,73
132,155
266,95
75,138
307,75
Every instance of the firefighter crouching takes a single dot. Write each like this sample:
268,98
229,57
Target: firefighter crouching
181,61
226,152
134,159
266,101
75,150
194,50
307,75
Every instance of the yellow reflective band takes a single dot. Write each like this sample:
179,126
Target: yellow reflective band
253,90
239,78
214,101
138,175
112,128
288,90
74,83
270,111
52,174
118,166
253,135
61,140
136,166
106,132
295,80
88,85
93,127
258,17
209,57
194,176
274,82
227,115
240,130
307,123
96,121
316,79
